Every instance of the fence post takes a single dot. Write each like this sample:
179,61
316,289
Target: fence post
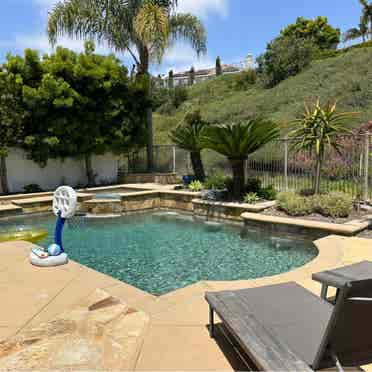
286,163
366,165
174,159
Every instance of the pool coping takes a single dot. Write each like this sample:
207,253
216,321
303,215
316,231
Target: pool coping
349,228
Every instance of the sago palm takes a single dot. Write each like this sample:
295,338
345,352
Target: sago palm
237,141
143,28
318,128
188,136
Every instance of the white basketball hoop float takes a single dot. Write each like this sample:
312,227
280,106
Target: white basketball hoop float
64,202
64,207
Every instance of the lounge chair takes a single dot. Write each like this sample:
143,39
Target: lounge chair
286,327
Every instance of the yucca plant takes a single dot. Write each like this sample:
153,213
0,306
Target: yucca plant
143,28
237,141
319,127
187,136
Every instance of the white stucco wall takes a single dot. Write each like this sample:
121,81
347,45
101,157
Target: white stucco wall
22,171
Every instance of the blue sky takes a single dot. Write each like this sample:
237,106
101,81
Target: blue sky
235,27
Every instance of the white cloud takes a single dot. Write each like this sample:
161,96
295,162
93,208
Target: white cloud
47,3
203,8
40,42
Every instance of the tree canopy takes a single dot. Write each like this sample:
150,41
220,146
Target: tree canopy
319,31
76,104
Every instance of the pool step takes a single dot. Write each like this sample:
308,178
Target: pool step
33,205
10,209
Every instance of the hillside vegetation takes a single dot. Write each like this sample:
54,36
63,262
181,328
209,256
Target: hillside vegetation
346,78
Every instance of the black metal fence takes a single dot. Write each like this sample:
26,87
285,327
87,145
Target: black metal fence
277,164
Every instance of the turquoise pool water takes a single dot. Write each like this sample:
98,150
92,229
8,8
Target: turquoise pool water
160,252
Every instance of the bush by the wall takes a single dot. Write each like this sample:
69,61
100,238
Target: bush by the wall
32,188
294,204
216,181
334,204
251,198
253,185
268,193
196,186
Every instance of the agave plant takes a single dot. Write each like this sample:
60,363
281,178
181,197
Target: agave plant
143,28
237,141
188,137
319,127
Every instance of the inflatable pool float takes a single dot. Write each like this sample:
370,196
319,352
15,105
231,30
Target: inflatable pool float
64,207
26,234
41,258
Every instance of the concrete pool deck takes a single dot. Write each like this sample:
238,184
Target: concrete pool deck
172,334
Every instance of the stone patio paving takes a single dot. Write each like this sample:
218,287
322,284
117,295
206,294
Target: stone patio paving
166,333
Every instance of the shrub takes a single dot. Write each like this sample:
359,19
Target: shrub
285,57
253,185
216,181
294,204
251,198
33,187
245,79
334,204
179,96
306,192
196,186
268,193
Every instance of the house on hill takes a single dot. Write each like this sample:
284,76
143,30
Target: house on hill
184,78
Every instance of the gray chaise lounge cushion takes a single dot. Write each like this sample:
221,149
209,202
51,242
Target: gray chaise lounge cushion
284,309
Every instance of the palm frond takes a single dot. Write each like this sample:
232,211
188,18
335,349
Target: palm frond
151,25
189,28
238,140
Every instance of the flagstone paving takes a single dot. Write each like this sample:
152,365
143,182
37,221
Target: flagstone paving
120,327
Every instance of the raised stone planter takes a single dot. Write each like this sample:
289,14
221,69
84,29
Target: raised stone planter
226,210
298,225
181,200
101,206
139,201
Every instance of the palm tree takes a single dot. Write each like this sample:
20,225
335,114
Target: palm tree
356,33
365,27
143,28
366,18
237,141
318,128
187,136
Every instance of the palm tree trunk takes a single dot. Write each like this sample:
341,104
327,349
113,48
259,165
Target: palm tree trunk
237,166
89,169
150,141
197,165
4,175
143,69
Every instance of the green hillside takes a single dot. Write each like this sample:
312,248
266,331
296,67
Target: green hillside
346,78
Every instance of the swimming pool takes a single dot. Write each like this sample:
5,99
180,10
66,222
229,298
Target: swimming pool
160,252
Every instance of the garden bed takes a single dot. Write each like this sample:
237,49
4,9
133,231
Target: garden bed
355,215
301,225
